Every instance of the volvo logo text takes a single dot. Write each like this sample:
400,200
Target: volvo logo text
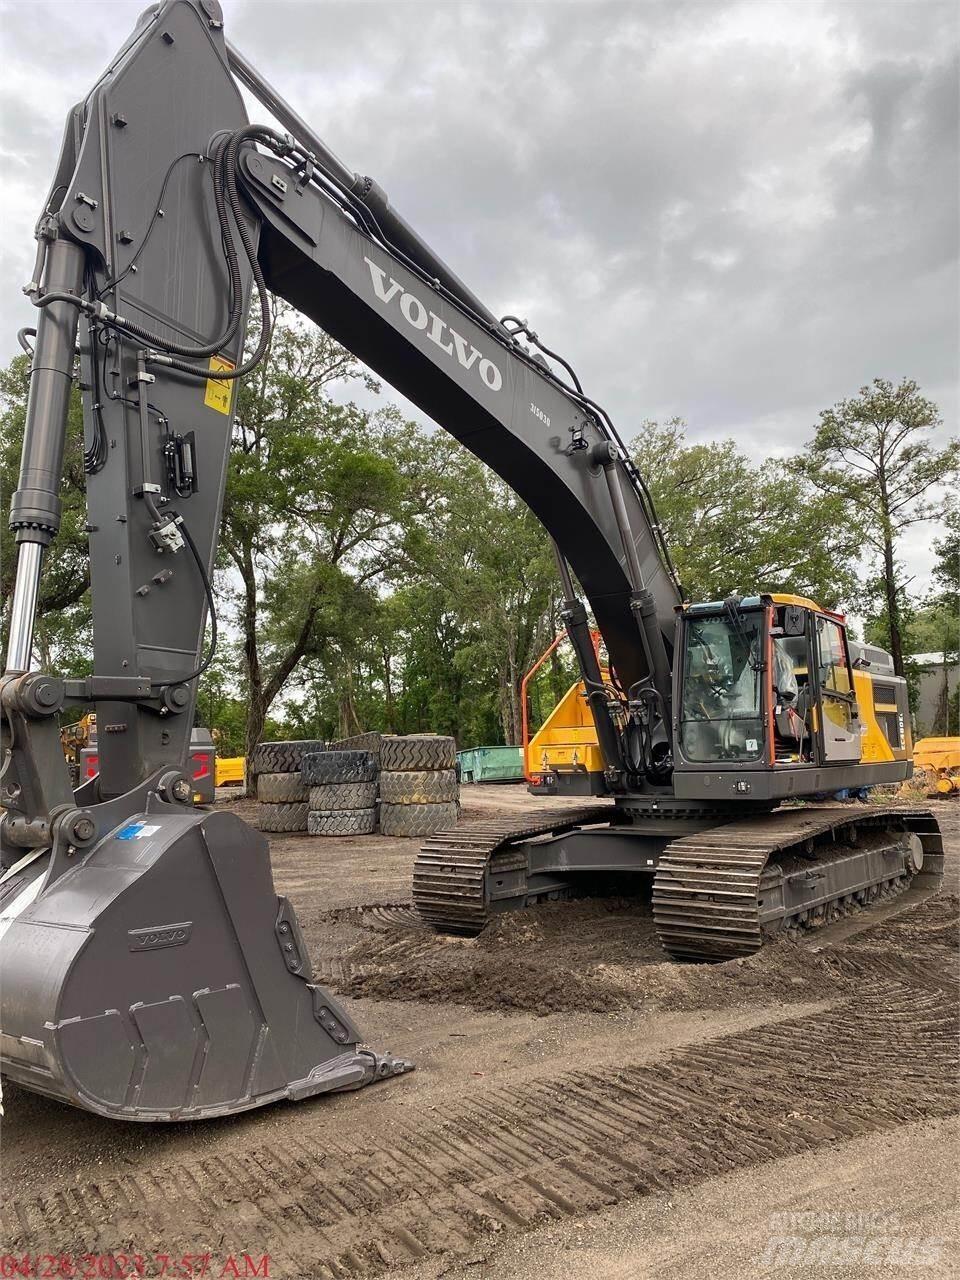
419,317
159,935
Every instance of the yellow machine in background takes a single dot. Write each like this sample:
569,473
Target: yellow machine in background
230,770
938,760
566,741
74,738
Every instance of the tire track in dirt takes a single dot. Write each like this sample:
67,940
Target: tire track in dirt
351,1204
557,958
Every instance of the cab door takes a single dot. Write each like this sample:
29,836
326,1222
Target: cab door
838,703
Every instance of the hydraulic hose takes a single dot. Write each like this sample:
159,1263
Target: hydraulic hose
227,199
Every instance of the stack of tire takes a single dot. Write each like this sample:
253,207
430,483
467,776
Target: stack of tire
419,792
341,792
281,792
359,742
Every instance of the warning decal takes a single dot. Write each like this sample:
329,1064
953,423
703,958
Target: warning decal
219,393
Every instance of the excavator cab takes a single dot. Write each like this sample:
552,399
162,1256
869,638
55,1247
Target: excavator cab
769,703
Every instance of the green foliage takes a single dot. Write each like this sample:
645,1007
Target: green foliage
942,606
874,453
488,565
732,525
931,628
315,494
219,705
462,610
372,575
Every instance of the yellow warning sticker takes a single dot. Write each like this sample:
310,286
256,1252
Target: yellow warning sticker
219,391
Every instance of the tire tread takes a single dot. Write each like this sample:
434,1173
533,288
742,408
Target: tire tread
417,819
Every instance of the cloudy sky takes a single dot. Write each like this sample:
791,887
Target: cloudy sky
734,212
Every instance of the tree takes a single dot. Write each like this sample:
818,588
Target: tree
488,582
874,452
315,495
466,605
732,525
943,614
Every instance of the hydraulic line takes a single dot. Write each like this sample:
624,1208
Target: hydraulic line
165,350
158,518
360,188
578,629
211,606
371,209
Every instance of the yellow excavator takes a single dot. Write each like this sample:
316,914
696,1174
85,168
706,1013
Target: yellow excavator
74,739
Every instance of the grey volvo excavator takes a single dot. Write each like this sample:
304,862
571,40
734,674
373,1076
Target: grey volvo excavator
149,970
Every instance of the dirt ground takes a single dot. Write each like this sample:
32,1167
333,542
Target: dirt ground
581,1106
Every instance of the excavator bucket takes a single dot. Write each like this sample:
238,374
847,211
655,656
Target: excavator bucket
162,978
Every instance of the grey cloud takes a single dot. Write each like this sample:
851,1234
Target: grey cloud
737,212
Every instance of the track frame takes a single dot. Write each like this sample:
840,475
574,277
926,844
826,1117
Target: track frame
720,887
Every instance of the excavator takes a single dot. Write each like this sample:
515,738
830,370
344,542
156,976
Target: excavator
150,970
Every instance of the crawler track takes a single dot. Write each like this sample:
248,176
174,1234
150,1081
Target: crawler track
711,891
714,892
450,874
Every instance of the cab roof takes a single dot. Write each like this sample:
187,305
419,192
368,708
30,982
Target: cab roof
755,602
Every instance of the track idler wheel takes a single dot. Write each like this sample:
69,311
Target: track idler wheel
914,859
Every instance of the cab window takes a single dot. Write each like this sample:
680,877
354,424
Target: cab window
722,707
834,668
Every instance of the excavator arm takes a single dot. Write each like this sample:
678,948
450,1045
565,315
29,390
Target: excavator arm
476,380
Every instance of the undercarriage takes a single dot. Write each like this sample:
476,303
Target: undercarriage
721,885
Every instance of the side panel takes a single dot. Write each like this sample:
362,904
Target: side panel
882,703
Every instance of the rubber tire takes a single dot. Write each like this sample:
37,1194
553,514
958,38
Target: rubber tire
324,767
417,819
342,822
417,751
283,757
282,817
343,795
359,742
423,786
280,788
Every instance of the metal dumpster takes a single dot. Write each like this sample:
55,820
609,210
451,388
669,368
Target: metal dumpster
490,764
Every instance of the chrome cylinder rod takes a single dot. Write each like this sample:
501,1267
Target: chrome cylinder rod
24,608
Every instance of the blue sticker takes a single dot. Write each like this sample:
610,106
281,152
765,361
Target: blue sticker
130,831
